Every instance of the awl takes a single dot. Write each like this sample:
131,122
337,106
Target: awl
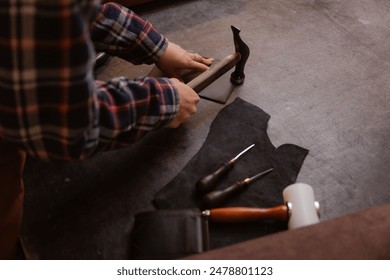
216,198
208,182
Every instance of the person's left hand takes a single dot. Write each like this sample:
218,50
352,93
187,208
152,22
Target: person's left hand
175,59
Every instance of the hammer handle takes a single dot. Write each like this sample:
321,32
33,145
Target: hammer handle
214,72
248,214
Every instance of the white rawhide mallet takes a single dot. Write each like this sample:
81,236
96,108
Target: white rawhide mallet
300,209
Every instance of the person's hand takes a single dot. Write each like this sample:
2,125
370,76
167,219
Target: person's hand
188,100
176,59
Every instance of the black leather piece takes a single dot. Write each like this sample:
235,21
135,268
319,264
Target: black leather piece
237,126
167,234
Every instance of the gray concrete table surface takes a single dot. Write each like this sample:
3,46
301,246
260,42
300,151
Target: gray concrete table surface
321,69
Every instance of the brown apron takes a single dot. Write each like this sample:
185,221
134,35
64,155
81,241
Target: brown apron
11,197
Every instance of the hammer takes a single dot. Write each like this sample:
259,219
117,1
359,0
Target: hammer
237,59
300,209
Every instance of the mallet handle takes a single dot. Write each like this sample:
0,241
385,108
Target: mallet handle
213,73
248,214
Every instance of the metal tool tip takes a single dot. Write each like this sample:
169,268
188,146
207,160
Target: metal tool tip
243,152
260,174
206,213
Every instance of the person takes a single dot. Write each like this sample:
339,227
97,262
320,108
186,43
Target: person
52,108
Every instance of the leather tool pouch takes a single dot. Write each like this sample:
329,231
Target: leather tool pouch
168,234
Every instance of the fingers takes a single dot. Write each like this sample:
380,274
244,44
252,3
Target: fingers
173,124
198,58
175,59
198,66
199,62
188,101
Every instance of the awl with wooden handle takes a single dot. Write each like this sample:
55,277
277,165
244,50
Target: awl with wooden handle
216,198
208,182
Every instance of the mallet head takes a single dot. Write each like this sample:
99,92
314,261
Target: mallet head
238,76
302,206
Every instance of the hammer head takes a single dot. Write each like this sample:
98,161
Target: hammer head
303,209
238,76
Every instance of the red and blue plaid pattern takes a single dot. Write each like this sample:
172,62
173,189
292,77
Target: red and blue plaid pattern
50,104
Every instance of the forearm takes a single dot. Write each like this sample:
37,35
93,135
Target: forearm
129,109
120,32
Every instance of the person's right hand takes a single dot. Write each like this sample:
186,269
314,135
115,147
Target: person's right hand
188,100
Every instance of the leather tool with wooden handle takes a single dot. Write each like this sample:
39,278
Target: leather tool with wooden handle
300,209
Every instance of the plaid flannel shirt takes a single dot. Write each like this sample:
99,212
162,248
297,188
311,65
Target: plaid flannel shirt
50,103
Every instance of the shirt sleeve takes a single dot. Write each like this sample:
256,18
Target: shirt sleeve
118,31
50,104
